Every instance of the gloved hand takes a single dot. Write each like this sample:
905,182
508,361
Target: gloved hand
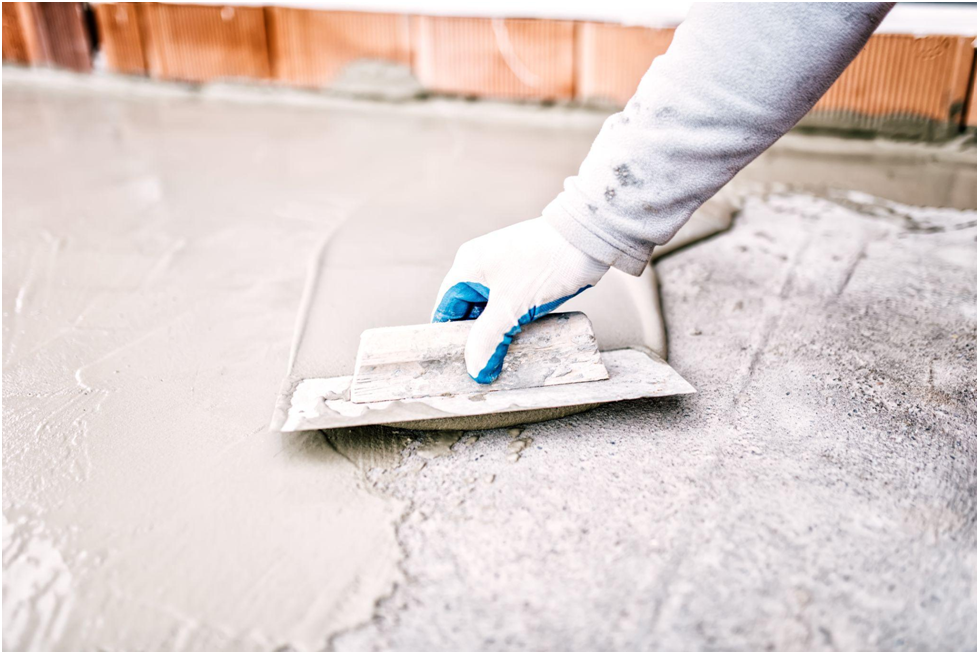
506,279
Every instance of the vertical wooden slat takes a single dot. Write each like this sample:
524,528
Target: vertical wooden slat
310,47
14,47
119,37
69,40
54,34
201,43
969,118
611,59
35,36
507,58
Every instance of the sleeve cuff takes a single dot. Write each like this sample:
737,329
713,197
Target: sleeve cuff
593,244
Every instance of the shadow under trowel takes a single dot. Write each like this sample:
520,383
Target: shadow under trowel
371,446
383,447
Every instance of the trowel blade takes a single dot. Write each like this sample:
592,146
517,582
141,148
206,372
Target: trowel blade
416,361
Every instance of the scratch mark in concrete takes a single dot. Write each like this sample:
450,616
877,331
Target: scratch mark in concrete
787,285
848,275
766,334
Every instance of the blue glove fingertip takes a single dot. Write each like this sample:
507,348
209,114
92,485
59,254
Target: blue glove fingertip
463,301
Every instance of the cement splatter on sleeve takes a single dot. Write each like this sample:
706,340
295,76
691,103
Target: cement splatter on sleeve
736,78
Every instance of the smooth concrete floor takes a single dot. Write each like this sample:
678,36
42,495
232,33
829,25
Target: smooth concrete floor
819,492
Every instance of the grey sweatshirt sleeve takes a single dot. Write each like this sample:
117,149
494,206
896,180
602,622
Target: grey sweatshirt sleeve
736,78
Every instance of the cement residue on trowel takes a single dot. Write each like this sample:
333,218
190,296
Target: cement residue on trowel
428,360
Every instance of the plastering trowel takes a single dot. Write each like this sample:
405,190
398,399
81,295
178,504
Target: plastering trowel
346,294
401,363
418,372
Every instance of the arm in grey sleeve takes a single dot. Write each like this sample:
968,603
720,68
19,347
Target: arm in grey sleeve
735,79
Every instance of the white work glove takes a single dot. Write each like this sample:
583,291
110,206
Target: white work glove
507,279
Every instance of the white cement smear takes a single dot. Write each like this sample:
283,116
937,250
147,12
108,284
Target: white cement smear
37,597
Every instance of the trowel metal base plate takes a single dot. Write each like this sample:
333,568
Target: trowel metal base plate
325,403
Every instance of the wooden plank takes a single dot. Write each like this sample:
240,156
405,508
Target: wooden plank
309,47
495,57
198,43
119,37
68,39
14,46
969,117
54,34
396,363
611,59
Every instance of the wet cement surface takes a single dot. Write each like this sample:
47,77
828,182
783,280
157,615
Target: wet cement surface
154,254
819,491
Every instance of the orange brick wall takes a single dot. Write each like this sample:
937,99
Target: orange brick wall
310,48
199,43
122,45
501,58
898,75
902,84
611,59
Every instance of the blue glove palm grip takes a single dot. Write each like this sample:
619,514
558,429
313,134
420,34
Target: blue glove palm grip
466,300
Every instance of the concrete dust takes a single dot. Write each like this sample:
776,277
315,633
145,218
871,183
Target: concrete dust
819,492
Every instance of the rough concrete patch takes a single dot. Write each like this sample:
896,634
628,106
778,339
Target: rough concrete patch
819,492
